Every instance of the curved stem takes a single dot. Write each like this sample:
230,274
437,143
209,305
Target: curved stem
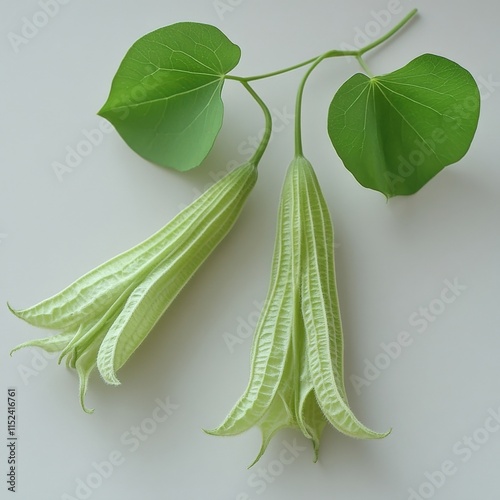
338,53
356,53
272,73
391,32
298,103
300,93
268,127
298,106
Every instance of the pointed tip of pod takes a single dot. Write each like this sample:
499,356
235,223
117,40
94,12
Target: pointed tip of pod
106,367
385,434
369,434
315,445
257,458
31,317
215,432
225,429
88,411
29,343
15,312
263,448
13,350
18,347
109,376
228,427
83,392
26,315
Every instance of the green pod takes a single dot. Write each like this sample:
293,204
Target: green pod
297,376
106,314
320,309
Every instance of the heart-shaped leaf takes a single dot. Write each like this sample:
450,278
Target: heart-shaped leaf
165,99
397,131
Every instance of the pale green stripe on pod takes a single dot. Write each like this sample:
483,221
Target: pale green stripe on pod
327,392
309,417
96,326
273,332
296,377
95,291
319,245
154,294
129,300
317,314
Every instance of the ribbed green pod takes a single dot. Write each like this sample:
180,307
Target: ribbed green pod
107,313
296,377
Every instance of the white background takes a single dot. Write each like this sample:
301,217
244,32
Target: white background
392,260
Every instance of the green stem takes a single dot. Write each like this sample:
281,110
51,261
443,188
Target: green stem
333,53
268,126
300,92
272,73
298,103
338,53
391,32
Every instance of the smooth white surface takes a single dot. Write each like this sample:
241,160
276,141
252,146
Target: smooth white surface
392,259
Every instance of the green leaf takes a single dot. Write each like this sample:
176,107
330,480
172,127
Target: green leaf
165,99
397,131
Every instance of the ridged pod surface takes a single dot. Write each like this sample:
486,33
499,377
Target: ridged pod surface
106,314
297,375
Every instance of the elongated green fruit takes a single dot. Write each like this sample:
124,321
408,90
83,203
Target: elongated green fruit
90,294
296,377
105,315
320,309
150,299
273,332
